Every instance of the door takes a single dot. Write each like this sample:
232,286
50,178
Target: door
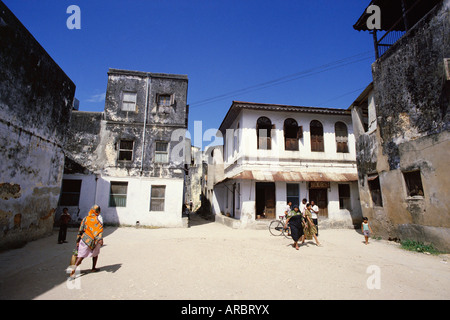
320,197
265,200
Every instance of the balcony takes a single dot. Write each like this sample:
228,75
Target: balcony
397,17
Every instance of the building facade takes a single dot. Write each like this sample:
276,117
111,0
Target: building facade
130,158
275,153
401,124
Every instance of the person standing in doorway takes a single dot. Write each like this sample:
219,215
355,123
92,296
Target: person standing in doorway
314,214
63,224
89,239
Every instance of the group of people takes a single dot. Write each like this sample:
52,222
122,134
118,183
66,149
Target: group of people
302,222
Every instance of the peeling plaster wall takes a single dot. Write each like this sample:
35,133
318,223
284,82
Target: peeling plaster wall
35,107
94,140
411,102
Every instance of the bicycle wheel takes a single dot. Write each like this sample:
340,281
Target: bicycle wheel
276,228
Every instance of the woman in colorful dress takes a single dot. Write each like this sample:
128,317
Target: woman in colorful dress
89,238
310,228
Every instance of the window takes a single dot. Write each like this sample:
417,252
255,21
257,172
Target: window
344,196
341,133
413,182
164,100
263,133
126,150
70,192
293,194
161,153
375,190
292,133
118,194
157,198
129,101
316,130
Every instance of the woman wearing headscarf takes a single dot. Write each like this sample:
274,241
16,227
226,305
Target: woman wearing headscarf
295,221
90,238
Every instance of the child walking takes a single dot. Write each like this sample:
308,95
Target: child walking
366,229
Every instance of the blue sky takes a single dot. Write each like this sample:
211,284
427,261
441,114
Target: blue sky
223,46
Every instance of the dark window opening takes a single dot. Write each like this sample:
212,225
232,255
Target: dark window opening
316,130
375,190
70,192
263,132
292,133
293,194
341,133
126,150
413,182
344,196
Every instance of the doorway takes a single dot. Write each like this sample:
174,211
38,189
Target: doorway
320,197
265,200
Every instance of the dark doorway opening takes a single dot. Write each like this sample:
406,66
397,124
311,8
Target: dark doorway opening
265,200
320,197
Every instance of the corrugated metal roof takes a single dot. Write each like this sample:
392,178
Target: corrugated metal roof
294,176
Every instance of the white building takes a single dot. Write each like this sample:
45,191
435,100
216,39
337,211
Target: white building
275,153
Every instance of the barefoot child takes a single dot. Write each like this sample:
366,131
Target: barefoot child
366,229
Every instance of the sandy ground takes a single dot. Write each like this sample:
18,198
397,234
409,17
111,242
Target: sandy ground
211,261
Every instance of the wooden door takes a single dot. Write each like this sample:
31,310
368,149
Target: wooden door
320,197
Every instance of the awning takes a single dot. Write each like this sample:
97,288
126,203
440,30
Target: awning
267,176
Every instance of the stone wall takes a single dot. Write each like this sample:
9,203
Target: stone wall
411,102
36,99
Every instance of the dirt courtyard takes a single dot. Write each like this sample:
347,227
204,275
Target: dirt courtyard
210,261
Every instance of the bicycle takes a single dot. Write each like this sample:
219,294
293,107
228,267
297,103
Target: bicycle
279,228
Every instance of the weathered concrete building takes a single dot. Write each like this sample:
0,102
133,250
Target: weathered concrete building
401,124
130,158
276,153
36,99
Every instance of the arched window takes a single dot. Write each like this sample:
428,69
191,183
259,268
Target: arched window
341,133
316,130
263,133
292,132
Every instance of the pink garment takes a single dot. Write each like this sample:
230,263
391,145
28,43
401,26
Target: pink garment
85,252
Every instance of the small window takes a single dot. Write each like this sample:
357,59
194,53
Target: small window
157,198
413,182
129,101
341,133
293,194
344,196
375,190
316,130
126,150
164,100
118,194
70,192
161,153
